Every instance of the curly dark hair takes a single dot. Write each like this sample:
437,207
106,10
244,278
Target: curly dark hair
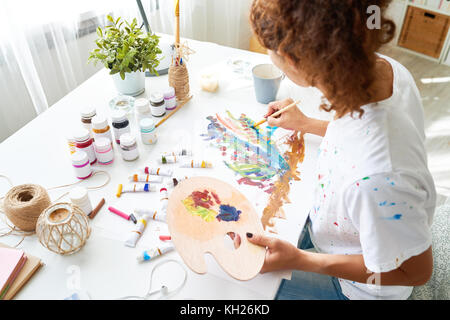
329,40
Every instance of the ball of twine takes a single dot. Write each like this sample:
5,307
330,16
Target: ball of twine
179,80
24,203
63,228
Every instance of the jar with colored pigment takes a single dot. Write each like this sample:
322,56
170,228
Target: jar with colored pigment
87,114
79,196
148,131
157,105
84,142
81,165
120,124
100,128
170,99
128,147
142,109
71,143
104,151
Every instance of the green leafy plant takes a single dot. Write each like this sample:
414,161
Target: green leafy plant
125,48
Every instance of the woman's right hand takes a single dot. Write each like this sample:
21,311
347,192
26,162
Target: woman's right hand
292,119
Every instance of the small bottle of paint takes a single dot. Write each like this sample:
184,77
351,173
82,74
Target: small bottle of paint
81,165
104,151
142,109
71,143
128,146
148,131
87,114
120,124
79,197
100,128
170,99
84,142
158,107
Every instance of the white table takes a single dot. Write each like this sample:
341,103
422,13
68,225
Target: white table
105,268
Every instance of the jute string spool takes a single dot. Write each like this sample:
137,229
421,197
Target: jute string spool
63,228
24,203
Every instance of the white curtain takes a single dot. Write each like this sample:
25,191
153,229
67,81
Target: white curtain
44,44
221,21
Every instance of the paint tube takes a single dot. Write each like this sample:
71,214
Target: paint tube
158,171
163,198
168,159
181,152
152,253
196,164
173,182
153,214
145,178
135,187
137,233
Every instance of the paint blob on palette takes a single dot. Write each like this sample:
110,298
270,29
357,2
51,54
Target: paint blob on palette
207,205
250,153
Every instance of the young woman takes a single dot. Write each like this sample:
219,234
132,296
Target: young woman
375,198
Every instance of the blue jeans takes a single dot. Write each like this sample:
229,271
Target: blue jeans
309,285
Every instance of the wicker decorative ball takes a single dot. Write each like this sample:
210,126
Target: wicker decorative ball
63,228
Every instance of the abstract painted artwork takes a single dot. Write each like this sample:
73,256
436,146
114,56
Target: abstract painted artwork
256,159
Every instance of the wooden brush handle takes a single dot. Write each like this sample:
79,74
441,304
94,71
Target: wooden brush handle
276,114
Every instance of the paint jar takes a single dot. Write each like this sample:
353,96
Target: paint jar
120,124
84,142
157,107
71,143
81,165
148,131
79,197
100,128
170,99
104,151
128,147
87,114
142,109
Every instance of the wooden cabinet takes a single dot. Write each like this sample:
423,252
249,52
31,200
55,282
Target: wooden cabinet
424,31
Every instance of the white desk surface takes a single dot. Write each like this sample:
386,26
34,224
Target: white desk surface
104,267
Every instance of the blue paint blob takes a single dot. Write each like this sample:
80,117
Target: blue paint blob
228,213
397,216
382,204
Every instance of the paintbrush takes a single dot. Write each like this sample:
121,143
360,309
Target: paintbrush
276,114
182,103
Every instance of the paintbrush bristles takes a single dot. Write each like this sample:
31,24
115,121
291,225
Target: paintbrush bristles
276,114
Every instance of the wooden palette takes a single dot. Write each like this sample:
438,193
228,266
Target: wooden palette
193,236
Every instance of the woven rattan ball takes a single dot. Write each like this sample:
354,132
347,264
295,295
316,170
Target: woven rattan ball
63,228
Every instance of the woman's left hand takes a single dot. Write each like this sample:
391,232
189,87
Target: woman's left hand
280,254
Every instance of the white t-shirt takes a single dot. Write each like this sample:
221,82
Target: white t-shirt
375,195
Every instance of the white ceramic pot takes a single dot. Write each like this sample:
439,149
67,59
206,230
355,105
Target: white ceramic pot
132,85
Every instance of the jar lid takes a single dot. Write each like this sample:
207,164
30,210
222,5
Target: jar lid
79,158
78,194
88,112
99,122
142,105
81,134
169,93
102,144
147,124
127,139
156,97
118,116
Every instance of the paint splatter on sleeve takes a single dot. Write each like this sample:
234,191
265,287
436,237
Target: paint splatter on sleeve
391,217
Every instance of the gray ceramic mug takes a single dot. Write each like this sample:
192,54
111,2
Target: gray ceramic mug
266,79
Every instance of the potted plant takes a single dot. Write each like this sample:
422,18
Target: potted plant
127,52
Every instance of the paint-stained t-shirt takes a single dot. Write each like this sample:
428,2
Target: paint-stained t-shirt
375,195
